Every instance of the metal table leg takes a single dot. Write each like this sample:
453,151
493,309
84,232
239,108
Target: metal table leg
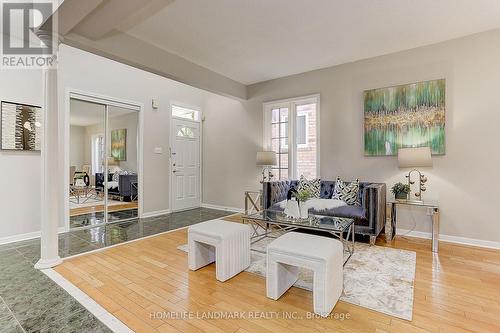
435,230
348,245
353,234
393,220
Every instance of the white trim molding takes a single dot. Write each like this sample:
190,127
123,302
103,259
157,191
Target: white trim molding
171,139
224,208
450,239
27,236
292,104
156,213
64,133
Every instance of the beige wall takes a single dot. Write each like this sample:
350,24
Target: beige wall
20,207
77,151
464,180
127,121
231,138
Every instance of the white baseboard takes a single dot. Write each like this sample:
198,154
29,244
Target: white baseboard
29,235
156,213
416,234
451,239
203,205
227,209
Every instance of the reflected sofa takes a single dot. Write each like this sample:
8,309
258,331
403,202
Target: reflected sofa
124,191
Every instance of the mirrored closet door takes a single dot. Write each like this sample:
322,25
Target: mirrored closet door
103,163
122,155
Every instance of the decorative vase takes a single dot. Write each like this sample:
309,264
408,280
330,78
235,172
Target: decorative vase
304,210
292,209
402,196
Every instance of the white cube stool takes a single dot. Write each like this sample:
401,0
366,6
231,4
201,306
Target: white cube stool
323,255
226,243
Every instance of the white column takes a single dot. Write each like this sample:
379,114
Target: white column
51,175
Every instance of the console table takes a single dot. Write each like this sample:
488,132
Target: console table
253,202
390,225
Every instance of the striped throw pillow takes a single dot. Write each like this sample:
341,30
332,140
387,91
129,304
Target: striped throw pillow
314,186
347,192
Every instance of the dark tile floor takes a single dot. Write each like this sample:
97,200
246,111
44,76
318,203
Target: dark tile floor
31,302
97,218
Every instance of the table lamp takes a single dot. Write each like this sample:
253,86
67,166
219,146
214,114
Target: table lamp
112,161
266,159
415,158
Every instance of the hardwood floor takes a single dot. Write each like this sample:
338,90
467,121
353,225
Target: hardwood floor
455,291
100,208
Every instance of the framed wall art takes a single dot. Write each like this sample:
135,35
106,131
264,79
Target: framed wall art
21,126
409,115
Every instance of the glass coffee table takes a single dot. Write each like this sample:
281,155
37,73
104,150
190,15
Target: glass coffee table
82,194
267,221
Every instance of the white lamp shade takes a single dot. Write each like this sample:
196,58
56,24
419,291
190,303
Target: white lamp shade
266,158
414,157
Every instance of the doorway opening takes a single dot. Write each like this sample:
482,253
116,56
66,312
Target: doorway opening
185,157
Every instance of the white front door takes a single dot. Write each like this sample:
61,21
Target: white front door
185,164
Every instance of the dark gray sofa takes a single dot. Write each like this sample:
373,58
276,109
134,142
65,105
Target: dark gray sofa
125,191
369,216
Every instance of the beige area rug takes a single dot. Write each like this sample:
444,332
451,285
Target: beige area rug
375,277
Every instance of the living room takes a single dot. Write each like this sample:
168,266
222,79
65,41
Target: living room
320,105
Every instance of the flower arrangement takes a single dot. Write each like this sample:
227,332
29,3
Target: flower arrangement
303,195
401,190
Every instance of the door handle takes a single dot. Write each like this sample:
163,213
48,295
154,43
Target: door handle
174,171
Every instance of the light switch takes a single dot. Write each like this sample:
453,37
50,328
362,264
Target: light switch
158,150
154,104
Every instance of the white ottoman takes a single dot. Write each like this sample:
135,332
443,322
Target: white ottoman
324,256
226,243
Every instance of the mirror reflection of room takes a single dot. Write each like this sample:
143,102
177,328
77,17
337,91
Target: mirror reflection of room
122,164
90,150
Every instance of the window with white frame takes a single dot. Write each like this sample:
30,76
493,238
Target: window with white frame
98,153
293,123
185,132
185,113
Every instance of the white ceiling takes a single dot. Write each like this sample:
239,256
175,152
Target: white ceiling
83,113
257,40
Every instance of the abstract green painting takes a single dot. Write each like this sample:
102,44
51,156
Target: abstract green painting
119,144
410,115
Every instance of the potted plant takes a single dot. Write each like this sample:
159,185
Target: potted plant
401,190
303,196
